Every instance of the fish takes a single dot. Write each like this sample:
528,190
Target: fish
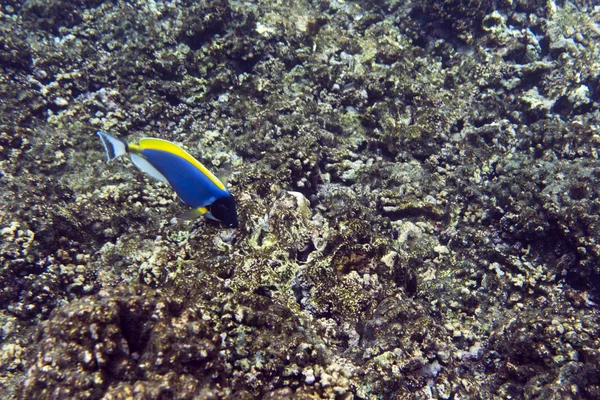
165,161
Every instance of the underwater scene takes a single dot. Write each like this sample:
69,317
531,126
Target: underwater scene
299,199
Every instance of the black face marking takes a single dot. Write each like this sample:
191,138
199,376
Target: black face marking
224,210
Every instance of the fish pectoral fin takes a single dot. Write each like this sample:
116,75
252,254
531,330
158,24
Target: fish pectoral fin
200,211
193,213
145,166
224,172
196,212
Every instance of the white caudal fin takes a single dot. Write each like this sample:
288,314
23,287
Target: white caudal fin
114,147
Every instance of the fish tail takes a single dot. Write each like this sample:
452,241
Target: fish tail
114,147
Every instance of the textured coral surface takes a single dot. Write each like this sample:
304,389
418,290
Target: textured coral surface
417,186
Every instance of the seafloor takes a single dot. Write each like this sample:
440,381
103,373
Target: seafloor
417,184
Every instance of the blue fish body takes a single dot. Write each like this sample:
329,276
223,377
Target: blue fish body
194,184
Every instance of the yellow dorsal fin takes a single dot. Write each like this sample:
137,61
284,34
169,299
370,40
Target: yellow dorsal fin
165,145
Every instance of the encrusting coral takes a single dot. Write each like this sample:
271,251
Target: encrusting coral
416,186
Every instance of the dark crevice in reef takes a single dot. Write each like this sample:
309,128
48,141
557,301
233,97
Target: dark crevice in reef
136,329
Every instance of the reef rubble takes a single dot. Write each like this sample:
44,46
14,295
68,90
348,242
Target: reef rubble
417,185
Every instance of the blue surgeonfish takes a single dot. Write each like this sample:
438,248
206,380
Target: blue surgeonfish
194,184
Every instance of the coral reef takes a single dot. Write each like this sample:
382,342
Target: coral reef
417,184
132,342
